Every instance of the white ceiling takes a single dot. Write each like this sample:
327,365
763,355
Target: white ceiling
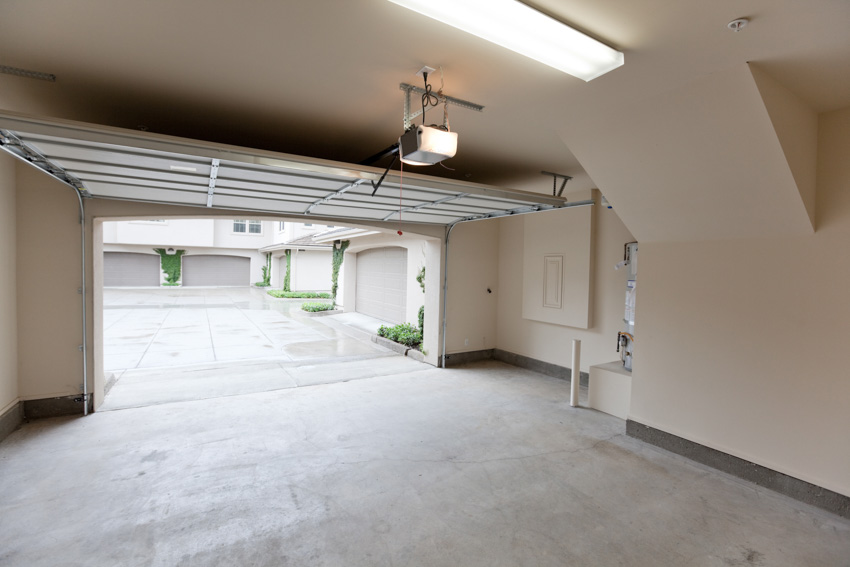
320,77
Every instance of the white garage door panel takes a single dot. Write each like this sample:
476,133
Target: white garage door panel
212,270
123,269
381,289
142,166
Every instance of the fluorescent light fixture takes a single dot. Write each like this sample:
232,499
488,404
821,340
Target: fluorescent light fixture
182,168
526,31
425,145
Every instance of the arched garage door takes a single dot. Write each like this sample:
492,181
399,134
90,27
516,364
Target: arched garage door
381,288
212,270
123,269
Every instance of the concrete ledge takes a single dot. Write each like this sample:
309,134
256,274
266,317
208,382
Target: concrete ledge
540,366
392,345
416,355
757,474
321,313
11,419
52,407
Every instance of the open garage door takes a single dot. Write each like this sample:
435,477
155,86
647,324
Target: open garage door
212,270
113,163
127,269
381,288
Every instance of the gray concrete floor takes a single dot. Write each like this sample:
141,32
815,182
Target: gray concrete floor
480,465
166,345
167,327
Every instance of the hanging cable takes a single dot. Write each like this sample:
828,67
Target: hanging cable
446,126
400,186
428,98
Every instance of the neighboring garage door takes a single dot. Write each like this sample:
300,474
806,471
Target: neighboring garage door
122,269
381,288
216,270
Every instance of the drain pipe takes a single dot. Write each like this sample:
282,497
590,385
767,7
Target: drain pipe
446,288
514,212
84,346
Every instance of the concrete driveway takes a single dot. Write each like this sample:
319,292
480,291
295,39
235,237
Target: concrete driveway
164,345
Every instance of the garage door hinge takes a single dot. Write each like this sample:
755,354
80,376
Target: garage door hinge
82,398
80,348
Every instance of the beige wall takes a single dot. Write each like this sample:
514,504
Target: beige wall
742,343
8,286
48,278
473,267
557,249
552,343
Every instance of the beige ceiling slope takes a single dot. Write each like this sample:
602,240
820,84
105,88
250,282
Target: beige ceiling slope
796,126
113,163
699,162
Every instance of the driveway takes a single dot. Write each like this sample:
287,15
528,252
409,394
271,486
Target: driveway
163,345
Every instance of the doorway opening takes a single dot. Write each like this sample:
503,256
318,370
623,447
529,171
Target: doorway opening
211,328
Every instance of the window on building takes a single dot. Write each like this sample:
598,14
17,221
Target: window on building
242,226
308,224
281,226
330,226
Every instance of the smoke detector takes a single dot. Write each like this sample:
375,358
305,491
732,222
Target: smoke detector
738,25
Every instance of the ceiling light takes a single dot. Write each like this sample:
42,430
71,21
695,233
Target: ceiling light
526,31
183,168
426,145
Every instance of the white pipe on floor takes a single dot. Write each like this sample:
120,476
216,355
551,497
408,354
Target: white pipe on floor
575,373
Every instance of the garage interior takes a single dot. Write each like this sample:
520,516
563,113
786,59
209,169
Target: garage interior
720,150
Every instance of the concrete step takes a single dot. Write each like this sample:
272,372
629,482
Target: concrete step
145,387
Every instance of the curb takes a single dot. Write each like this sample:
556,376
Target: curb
321,313
416,355
392,345
399,348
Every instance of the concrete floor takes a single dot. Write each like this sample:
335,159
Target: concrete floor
155,328
479,465
166,345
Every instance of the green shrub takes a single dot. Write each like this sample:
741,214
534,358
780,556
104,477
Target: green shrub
288,267
170,265
336,261
262,284
405,334
422,320
279,293
315,307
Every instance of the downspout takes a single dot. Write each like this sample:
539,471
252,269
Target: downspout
451,226
446,289
84,346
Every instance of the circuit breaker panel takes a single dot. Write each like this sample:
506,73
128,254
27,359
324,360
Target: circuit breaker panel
626,337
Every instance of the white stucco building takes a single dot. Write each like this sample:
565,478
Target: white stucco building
218,252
